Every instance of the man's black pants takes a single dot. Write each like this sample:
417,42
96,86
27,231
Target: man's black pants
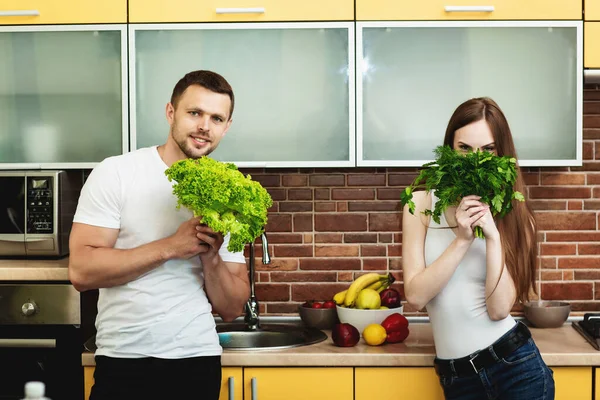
197,378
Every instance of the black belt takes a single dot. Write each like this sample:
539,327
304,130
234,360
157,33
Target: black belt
472,364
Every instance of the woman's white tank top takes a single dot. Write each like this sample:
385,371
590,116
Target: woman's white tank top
458,314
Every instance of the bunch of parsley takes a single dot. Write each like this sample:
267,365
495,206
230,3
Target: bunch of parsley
454,175
227,201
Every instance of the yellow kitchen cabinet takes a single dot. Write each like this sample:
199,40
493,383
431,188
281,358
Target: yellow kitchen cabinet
239,10
27,12
573,383
468,9
397,383
318,383
592,10
235,376
591,45
88,381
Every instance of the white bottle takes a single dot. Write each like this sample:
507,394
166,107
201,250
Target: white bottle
35,391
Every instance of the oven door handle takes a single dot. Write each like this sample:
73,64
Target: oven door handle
31,343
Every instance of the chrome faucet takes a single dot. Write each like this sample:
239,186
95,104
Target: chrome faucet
251,317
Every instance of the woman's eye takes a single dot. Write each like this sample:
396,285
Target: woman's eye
464,147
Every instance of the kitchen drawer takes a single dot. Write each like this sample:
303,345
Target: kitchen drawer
232,383
239,10
27,12
592,10
479,9
591,45
409,383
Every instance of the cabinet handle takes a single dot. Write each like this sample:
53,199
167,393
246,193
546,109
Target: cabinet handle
243,10
469,8
19,13
254,387
231,391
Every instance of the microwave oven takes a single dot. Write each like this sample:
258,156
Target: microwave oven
36,212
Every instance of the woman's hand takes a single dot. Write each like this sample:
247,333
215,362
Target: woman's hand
468,213
487,224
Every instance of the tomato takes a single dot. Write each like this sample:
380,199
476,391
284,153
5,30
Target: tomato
329,304
316,304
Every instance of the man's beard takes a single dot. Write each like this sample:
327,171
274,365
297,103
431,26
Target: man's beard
188,150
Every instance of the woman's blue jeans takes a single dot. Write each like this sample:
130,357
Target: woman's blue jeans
522,375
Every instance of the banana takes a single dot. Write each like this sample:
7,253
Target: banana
359,284
339,297
382,283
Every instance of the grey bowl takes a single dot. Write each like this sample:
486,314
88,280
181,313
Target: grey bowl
320,318
547,314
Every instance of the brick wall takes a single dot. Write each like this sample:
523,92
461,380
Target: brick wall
329,225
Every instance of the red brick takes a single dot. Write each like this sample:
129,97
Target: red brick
575,204
547,204
294,180
295,206
328,238
541,192
579,263
322,194
366,180
385,222
330,264
285,238
531,178
360,238
345,276
591,236
591,93
589,248
588,165
591,107
389,194
554,249
588,150
327,180
341,206
568,275
551,275
281,308
300,194
374,206
372,250
274,208
340,222
268,180
276,194
591,205
352,194
585,306
308,238
401,179
395,250
563,179
375,264
593,179
397,237
596,192
386,238
395,263
277,264
303,222
591,121
279,223
587,275
291,250
591,134
302,276
316,291
272,291
321,206
567,291
337,251
547,262
566,220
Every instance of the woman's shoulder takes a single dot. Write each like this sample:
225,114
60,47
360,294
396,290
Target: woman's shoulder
422,200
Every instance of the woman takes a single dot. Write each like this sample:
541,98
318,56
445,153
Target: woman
469,285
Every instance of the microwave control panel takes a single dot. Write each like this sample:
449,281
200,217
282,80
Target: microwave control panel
40,204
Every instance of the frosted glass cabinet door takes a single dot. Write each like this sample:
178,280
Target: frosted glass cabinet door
61,95
411,77
293,85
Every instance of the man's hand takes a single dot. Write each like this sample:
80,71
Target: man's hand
188,241
211,243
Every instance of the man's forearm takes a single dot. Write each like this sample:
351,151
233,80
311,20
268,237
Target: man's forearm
227,291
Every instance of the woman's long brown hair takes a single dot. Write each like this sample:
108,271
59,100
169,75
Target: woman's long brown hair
518,230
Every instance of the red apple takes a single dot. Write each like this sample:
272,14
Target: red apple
390,298
329,304
345,335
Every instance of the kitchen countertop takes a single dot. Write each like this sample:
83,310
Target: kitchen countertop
559,347
34,270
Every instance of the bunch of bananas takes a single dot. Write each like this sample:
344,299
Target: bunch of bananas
372,280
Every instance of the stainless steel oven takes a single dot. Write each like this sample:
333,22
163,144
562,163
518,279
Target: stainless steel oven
36,212
40,339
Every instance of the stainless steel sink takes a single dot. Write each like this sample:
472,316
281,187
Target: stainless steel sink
267,336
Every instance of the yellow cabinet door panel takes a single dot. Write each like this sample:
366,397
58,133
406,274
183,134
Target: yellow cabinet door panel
300,383
397,383
597,386
88,381
239,10
63,12
436,9
592,10
573,383
234,373
591,45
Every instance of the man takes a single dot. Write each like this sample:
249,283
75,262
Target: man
157,266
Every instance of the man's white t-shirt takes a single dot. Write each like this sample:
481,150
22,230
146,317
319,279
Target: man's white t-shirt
164,313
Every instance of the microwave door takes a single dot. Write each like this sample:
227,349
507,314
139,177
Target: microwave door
12,215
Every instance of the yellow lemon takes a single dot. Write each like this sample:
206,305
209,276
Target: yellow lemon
374,334
368,299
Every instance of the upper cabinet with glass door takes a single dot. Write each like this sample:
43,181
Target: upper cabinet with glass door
411,76
468,10
293,85
29,12
239,10
63,101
